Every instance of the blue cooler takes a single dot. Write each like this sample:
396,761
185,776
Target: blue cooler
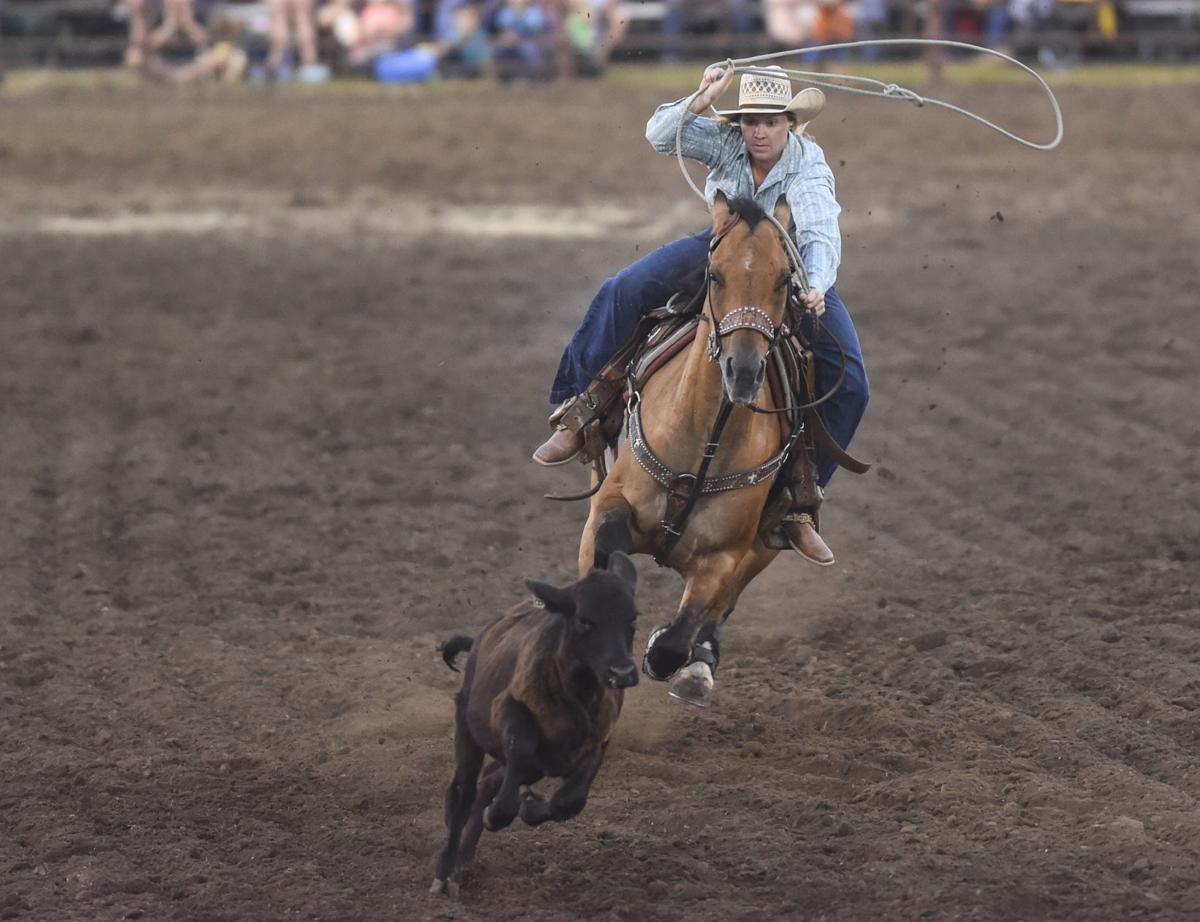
413,65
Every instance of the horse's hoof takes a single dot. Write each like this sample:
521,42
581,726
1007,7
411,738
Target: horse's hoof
693,685
660,662
438,886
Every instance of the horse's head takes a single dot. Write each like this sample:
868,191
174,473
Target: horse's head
749,278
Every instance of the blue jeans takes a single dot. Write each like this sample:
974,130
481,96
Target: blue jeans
646,284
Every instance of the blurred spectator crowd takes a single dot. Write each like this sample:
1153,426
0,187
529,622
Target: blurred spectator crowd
277,41
306,41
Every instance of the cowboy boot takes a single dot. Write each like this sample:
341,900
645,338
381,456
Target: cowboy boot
565,444
801,523
800,526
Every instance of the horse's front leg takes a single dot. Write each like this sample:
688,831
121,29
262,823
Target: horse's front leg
694,682
711,591
607,530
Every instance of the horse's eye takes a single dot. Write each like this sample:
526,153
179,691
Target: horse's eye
783,283
718,279
584,626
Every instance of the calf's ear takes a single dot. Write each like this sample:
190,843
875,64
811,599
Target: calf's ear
555,599
622,565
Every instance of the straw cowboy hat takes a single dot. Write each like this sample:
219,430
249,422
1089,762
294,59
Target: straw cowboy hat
758,93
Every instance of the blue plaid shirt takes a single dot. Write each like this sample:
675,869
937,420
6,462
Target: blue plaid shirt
801,174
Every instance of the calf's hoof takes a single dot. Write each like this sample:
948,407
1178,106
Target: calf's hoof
494,821
534,810
693,685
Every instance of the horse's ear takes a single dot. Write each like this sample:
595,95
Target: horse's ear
720,211
783,213
620,564
555,599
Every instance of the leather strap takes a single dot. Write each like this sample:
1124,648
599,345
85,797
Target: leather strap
685,489
824,441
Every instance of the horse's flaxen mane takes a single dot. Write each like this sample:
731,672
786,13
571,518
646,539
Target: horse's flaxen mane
748,210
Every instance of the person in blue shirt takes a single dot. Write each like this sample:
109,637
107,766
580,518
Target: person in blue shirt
758,150
520,49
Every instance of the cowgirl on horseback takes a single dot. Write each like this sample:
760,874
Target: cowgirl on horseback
758,150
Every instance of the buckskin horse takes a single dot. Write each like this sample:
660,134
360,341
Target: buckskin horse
696,447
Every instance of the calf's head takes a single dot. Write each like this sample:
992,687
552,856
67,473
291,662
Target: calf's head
600,615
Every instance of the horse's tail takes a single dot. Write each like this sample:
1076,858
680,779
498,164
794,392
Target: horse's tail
451,647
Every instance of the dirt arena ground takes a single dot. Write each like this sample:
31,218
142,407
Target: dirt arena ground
272,367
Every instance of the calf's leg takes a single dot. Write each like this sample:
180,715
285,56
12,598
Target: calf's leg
519,731
489,784
569,799
460,795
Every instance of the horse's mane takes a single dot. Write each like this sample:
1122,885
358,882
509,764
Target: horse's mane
748,210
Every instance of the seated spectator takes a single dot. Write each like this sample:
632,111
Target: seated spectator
178,16
870,22
365,32
996,24
224,62
463,49
293,25
790,23
591,30
236,44
443,16
146,42
521,50
385,25
834,25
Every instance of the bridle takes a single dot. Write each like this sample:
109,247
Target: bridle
740,318
758,320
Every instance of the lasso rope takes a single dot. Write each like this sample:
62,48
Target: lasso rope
870,87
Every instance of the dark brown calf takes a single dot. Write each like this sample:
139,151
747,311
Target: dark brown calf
541,694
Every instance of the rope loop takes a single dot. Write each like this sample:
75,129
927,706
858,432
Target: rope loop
867,86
